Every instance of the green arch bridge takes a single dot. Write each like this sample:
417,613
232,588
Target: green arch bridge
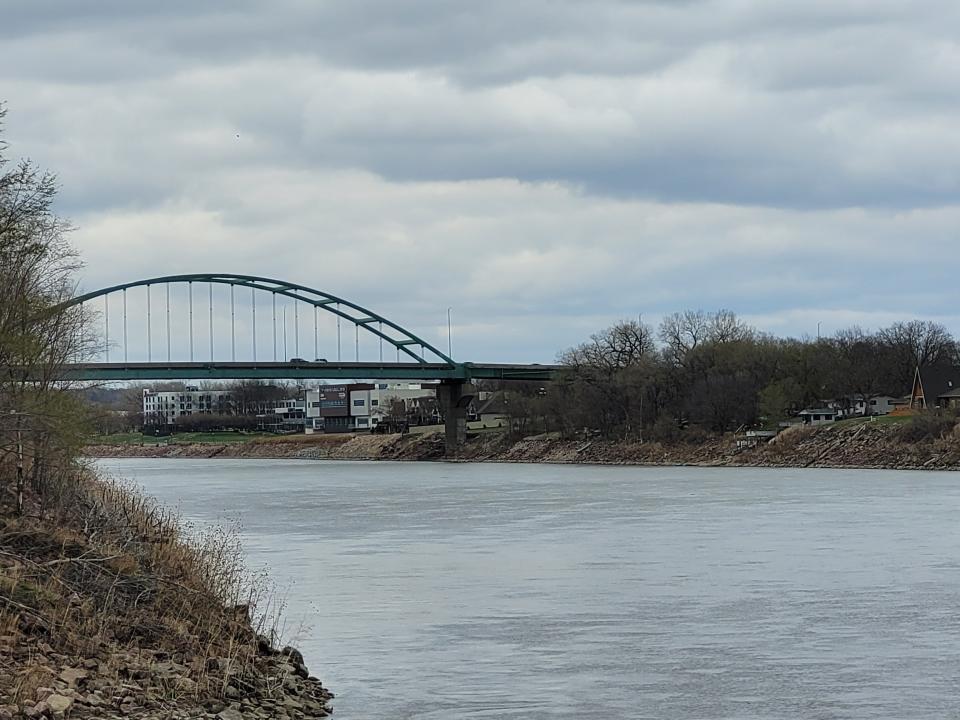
416,359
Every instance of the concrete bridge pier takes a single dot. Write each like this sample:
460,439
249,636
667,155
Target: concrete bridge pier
455,397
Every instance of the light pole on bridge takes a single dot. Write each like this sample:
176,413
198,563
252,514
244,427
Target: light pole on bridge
449,335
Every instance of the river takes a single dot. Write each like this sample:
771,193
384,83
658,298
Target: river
455,591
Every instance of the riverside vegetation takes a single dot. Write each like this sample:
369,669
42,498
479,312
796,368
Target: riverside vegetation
108,610
108,607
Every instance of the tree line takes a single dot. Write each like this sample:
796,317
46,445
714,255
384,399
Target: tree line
712,372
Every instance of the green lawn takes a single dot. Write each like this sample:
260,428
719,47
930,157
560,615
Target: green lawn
178,438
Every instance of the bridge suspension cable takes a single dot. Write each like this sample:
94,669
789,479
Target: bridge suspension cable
168,323
106,334
190,295
125,359
233,329
210,308
149,329
387,332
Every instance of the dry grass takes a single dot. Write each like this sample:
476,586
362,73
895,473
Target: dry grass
314,439
93,564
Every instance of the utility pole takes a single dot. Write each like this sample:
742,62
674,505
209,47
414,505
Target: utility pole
449,335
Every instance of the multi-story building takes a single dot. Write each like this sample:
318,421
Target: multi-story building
359,407
164,407
328,407
283,416
369,406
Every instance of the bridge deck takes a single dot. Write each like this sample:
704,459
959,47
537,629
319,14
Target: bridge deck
137,372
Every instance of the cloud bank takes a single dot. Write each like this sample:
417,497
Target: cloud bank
544,169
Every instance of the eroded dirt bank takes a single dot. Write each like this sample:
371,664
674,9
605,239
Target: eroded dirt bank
867,445
321,447
859,446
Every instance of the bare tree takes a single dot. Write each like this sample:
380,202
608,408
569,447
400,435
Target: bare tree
683,331
724,326
622,345
918,343
251,396
38,332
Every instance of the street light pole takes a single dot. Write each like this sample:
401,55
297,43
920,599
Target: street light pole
449,335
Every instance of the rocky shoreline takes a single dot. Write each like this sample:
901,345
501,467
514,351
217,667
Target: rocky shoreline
109,610
156,685
865,445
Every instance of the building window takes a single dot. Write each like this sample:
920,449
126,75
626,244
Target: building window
374,403
360,402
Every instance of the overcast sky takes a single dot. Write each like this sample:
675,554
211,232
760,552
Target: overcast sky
544,167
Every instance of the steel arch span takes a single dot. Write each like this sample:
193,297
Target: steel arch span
388,331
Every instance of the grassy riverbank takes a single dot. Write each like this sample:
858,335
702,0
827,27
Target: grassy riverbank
108,610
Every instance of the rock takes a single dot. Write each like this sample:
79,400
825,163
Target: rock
187,685
37,711
292,703
59,704
264,646
295,657
168,668
73,676
230,714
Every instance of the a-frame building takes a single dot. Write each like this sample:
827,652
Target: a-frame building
935,386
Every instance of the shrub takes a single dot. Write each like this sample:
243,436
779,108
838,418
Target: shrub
664,430
927,426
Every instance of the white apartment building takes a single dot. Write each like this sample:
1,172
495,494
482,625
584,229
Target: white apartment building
282,415
164,407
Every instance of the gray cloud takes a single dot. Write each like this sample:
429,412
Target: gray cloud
544,166
812,104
